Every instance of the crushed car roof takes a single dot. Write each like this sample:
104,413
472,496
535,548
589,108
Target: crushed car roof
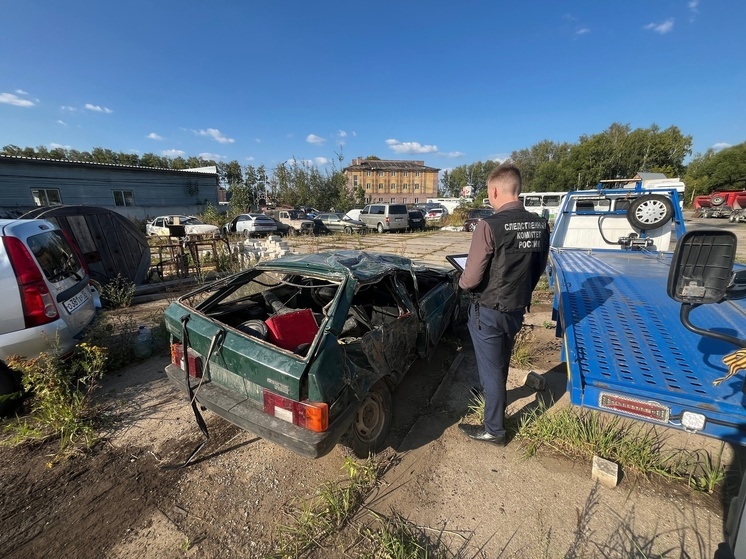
361,265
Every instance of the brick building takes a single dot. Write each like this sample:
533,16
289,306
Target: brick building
392,181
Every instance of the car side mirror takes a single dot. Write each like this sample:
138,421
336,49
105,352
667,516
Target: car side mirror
702,267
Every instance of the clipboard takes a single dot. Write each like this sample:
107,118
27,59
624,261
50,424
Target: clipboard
458,261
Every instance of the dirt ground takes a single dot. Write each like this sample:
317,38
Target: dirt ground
125,500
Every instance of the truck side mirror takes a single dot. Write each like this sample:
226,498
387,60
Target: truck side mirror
701,270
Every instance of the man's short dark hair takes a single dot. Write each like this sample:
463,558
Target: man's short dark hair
506,171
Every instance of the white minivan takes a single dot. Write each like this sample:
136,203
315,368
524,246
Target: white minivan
47,300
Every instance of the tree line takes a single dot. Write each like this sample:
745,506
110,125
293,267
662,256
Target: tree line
547,166
617,152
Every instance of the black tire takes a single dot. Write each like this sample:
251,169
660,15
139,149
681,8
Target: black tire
11,393
380,227
372,421
472,227
247,233
717,200
292,232
650,211
348,230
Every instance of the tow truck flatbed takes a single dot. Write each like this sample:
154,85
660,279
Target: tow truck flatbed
626,349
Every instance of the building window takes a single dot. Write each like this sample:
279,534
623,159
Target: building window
393,200
416,200
380,199
46,197
354,180
404,200
380,186
406,173
393,187
393,173
416,173
379,173
367,199
367,186
123,198
416,186
405,186
367,173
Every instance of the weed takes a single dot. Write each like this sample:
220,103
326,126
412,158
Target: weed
330,510
548,324
636,449
476,407
60,396
118,293
522,349
708,471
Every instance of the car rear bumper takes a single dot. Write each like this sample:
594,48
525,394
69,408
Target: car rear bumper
242,412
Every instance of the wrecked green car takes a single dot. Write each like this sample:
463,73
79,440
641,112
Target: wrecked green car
305,350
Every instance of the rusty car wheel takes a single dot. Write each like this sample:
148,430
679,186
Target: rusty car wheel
372,421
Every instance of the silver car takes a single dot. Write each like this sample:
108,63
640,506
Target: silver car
47,301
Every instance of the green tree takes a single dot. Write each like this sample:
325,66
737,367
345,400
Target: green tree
721,170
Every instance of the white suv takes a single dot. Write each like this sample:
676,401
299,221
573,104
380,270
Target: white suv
46,299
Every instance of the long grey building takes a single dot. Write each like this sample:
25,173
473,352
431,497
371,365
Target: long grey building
135,192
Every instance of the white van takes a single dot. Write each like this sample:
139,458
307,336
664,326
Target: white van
385,217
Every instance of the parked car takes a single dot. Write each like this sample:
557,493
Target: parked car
475,216
283,229
180,226
47,300
416,220
319,228
354,214
250,224
436,214
304,350
385,217
340,223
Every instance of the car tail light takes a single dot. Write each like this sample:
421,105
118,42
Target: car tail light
38,304
388,219
313,416
195,360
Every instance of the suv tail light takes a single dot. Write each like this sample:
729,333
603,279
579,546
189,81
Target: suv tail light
388,219
38,304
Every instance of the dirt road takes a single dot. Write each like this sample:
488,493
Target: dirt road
123,502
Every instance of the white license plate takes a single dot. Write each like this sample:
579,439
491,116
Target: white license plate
74,302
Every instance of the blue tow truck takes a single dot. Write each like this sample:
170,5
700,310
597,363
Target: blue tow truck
649,333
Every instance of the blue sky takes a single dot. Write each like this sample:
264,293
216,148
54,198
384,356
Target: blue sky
446,82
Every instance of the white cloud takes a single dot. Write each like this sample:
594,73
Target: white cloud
56,146
662,28
499,157
582,31
62,122
314,139
97,108
410,147
720,145
342,134
211,156
216,135
452,154
173,153
154,136
12,99
321,161
69,109
250,158
258,141
21,92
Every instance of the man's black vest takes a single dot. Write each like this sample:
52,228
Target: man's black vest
521,240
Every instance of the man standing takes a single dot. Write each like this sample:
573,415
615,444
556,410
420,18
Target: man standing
507,257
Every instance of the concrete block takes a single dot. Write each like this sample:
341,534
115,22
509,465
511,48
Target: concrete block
605,472
535,381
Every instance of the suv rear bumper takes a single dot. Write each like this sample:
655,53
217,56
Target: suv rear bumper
242,412
30,342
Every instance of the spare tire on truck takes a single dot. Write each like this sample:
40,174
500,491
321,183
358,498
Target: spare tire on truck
650,211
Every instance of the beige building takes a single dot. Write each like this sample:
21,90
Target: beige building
393,181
